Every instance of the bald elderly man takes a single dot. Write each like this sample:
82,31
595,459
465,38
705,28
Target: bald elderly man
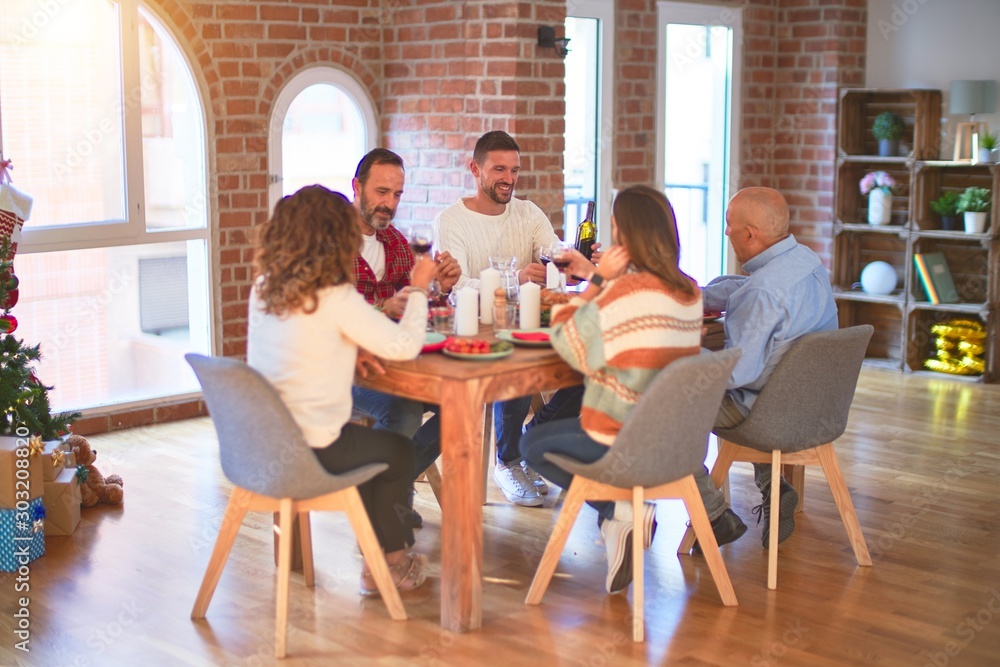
785,296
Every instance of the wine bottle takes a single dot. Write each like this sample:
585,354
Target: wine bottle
586,233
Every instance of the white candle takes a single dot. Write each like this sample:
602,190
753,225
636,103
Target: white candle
531,305
467,312
551,276
489,281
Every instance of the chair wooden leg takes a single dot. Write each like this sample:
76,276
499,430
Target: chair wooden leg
841,495
487,446
720,477
373,553
772,540
557,541
433,476
284,573
638,604
709,547
236,509
305,535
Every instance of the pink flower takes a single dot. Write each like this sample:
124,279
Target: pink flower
877,179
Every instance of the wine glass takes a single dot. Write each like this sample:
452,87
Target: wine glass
560,252
420,236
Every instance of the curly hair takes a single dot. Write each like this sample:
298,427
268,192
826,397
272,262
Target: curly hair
309,243
648,229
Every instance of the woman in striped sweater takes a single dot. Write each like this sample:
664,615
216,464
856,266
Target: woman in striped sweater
638,313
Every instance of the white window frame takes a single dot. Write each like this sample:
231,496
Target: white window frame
318,74
714,15
603,11
132,230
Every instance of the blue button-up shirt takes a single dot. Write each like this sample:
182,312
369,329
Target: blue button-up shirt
786,295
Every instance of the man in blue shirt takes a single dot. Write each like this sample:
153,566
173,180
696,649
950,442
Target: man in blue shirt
786,295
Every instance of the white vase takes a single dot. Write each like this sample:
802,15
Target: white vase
975,222
879,207
986,156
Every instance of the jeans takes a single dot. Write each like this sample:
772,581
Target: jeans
391,413
509,416
385,495
730,415
564,437
403,416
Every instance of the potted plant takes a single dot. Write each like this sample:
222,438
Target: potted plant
988,143
878,186
974,203
946,206
888,129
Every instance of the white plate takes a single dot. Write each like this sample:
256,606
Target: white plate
508,335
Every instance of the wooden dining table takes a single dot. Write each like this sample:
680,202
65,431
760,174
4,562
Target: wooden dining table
462,388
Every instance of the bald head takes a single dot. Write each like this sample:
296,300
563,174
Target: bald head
756,219
762,208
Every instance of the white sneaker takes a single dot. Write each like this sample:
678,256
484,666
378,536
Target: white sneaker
623,512
515,485
618,547
534,478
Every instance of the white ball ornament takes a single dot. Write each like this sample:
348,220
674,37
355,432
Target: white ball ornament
879,278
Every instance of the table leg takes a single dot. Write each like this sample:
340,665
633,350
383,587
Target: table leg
462,511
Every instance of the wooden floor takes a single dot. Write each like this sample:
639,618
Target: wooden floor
921,457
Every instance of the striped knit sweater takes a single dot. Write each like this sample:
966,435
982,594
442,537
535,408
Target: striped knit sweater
621,340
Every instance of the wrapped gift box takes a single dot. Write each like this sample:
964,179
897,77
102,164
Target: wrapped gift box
22,535
28,485
55,458
62,503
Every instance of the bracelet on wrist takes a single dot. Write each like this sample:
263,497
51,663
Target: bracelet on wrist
422,290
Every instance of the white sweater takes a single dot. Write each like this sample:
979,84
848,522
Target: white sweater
472,238
309,358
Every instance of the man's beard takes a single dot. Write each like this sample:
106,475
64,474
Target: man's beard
368,215
499,198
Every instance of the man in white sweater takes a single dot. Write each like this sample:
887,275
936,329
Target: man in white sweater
491,222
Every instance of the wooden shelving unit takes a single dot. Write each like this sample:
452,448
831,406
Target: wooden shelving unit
903,319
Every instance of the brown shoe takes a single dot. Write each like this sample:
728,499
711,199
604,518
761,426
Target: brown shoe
408,574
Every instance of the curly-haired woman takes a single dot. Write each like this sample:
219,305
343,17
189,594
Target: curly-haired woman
307,321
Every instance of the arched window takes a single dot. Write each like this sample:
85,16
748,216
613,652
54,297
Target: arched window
322,125
101,116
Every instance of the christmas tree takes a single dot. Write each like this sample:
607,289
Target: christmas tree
24,400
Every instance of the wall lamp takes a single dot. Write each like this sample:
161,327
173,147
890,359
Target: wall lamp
547,38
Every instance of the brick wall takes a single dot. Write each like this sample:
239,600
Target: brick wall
634,124
821,47
455,70
442,72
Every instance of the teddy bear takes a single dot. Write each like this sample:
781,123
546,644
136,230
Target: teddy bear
94,487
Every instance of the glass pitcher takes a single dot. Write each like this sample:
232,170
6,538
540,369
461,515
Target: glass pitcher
507,266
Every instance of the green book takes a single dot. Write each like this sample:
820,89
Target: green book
932,268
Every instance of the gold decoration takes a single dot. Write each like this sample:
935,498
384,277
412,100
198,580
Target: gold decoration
958,347
35,445
59,458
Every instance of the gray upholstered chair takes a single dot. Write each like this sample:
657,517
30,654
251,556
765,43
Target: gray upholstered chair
802,409
660,447
273,470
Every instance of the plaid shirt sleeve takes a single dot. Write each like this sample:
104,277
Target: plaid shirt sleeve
398,263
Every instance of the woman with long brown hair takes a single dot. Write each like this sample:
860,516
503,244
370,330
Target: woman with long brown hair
306,323
638,313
